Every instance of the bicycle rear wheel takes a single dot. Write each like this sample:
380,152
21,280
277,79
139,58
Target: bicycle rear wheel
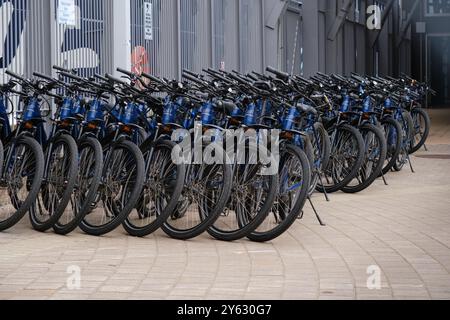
346,159
322,149
407,125
120,188
294,180
375,156
393,136
422,125
23,170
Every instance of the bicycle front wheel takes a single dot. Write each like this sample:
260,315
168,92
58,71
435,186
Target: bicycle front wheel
119,191
22,175
255,186
375,156
206,192
162,190
294,181
59,181
87,184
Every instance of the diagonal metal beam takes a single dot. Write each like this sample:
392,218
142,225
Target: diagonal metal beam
276,10
407,23
339,20
384,18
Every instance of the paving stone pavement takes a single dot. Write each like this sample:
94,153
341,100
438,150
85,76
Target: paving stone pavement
401,230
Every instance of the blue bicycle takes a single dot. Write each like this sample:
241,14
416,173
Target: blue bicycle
22,159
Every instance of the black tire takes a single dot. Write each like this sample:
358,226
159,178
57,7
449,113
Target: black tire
245,220
34,156
164,181
393,136
407,125
126,153
374,159
420,118
2,158
205,213
48,209
284,214
86,187
321,152
335,176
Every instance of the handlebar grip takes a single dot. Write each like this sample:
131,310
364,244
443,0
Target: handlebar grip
278,73
73,71
43,76
126,72
100,77
71,76
237,78
191,78
214,74
14,75
150,77
189,72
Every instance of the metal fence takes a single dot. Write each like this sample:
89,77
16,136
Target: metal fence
170,35
33,36
166,35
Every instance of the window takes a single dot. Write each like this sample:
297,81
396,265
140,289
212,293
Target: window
437,7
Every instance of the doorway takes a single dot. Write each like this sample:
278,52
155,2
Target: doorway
439,68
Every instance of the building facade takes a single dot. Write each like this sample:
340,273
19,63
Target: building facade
165,36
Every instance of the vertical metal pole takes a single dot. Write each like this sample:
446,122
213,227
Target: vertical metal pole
122,34
213,32
54,42
263,36
178,38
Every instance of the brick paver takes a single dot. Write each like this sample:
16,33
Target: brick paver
403,229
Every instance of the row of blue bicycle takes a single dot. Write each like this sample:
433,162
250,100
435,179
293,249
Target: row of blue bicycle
107,156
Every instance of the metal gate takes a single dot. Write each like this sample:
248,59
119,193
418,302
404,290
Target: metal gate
170,35
33,37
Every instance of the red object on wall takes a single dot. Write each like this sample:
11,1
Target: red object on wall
139,61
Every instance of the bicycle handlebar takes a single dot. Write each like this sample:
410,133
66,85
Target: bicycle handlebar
14,75
280,74
61,69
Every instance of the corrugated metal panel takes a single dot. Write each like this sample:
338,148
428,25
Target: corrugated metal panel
31,39
250,36
88,45
156,54
225,34
13,48
195,34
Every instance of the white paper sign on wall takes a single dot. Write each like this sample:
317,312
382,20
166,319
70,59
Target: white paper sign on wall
67,12
148,20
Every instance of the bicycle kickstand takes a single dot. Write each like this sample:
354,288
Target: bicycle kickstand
410,164
316,213
426,148
384,178
325,193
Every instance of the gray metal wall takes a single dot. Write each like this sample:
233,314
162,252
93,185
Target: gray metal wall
243,35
